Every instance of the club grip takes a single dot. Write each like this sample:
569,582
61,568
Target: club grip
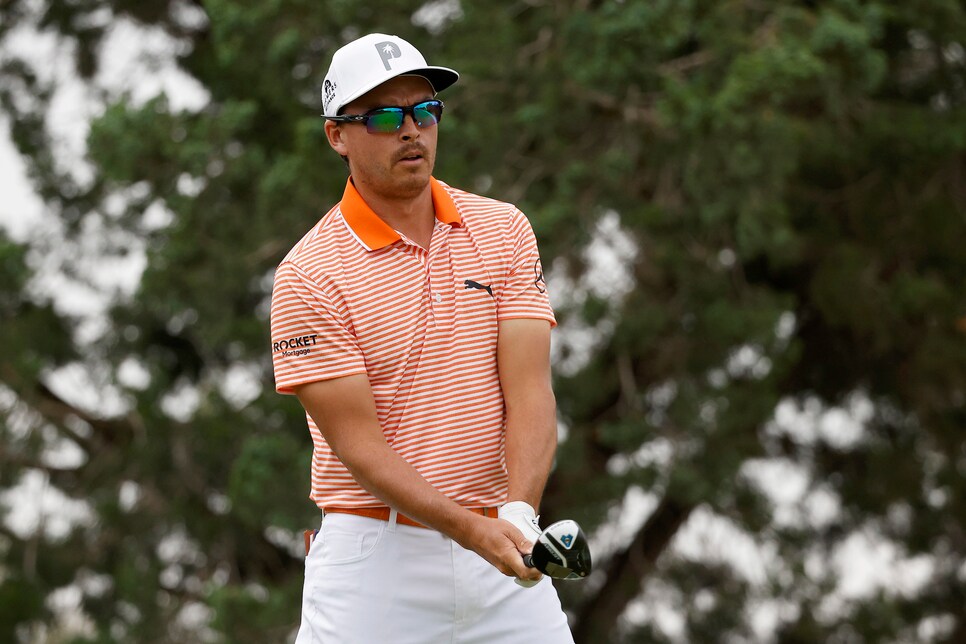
528,561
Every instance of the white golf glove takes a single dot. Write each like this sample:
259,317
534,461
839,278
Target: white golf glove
521,515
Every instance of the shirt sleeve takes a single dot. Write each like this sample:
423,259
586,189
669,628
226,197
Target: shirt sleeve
311,338
525,292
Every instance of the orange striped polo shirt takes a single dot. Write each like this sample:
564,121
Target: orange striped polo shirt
354,296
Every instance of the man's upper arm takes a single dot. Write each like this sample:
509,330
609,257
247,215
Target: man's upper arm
523,358
345,411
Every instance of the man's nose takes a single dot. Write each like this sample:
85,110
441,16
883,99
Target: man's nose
409,131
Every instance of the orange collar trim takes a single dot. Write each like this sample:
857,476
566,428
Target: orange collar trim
374,233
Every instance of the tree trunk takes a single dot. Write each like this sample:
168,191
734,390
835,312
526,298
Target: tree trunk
627,571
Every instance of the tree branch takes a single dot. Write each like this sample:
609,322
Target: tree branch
627,571
60,476
58,410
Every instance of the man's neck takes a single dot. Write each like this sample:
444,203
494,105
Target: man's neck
413,216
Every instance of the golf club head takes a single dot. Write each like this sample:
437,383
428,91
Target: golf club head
561,551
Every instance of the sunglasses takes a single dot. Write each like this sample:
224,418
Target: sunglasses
384,120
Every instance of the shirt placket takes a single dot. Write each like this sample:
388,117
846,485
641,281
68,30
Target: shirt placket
439,274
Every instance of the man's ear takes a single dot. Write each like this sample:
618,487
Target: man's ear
334,135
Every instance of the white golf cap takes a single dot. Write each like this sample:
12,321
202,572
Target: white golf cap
370,61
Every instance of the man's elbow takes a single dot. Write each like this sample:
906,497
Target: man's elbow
533,398
359,452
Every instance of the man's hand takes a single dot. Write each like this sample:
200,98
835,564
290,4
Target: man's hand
503,545
522,516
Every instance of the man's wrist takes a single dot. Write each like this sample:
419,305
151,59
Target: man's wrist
518,506
522,515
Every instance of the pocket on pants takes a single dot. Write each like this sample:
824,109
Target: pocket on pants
346,539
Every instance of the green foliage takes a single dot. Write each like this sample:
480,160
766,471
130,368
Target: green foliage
34,337
789,175
277,463
21,601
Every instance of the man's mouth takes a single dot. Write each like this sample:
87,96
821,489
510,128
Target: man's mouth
411,156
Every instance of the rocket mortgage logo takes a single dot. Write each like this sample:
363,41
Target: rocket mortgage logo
294,347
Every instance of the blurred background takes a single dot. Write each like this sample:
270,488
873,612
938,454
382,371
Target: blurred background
752,215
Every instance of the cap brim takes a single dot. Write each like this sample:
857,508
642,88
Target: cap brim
439,77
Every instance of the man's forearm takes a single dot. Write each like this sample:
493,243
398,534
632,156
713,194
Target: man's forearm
390,478
344,411
531,442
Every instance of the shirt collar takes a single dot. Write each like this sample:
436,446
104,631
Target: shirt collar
373,232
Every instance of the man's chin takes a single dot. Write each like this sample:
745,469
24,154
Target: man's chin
413,183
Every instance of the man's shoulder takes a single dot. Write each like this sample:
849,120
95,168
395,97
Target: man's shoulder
320,245
477,208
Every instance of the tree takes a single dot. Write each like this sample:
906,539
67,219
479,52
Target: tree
781,184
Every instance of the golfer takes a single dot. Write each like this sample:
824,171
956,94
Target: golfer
413,324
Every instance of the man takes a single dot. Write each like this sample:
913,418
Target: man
413,324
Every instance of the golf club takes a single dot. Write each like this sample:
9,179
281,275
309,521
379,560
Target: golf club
561,551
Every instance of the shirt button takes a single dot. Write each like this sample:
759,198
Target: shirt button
438,298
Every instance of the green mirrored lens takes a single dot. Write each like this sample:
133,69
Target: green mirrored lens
389,119
385,120
427,114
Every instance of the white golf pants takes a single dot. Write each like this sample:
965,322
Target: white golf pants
369,581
